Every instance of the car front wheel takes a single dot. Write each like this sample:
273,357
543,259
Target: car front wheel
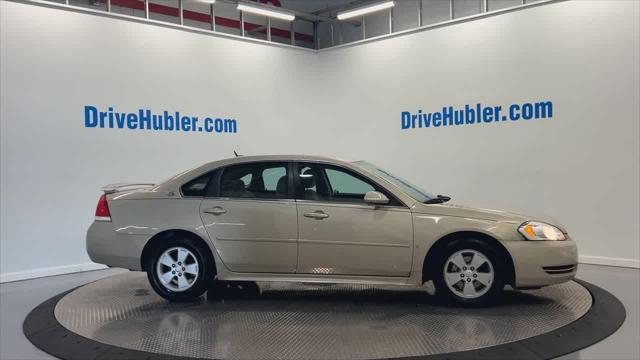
469,273
178,270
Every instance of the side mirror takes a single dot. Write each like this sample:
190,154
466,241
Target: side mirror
375,197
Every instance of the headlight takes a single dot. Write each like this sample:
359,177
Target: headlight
533,230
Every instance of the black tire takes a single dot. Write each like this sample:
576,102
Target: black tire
205,276
490,296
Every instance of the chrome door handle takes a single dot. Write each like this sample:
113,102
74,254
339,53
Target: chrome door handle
215,211
316,215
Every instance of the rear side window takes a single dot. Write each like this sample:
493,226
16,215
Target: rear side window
271,176
255,181
197,187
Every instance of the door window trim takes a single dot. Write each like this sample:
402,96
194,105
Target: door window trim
376,185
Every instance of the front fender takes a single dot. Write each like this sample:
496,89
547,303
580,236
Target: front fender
428,229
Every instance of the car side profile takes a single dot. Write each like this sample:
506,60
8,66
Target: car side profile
318,219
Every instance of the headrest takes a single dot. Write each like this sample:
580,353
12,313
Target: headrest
281,187
233,185
308,180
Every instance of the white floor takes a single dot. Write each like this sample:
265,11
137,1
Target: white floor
18,298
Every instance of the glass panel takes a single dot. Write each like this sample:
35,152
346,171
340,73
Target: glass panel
255,26
501,4
197,14
196,187
91,4
128,8
345,186
246,179
435,11
462,8
280,31
312,182
271,177
405,15
329,183
377,23
304,33
227,18
349,32
255,181
412,190
164,10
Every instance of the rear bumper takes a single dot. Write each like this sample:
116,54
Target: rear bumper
105,246
541,263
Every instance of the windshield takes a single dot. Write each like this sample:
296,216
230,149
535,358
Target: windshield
411,190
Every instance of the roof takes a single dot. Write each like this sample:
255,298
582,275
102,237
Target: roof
240,159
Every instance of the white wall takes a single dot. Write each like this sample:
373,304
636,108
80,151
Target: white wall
580,167
54,62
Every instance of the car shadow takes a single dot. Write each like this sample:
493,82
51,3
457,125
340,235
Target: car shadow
346,297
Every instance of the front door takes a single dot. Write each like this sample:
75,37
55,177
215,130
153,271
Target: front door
252,219
341,234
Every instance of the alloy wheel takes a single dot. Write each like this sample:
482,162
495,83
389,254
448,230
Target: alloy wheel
468,273
177,269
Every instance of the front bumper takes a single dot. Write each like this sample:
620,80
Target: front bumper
105,246
541,263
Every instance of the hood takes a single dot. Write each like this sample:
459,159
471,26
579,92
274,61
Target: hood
448,209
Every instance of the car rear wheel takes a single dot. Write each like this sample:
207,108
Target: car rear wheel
178,270
469,273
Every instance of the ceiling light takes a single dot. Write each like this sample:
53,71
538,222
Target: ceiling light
207,1
365,10
263,10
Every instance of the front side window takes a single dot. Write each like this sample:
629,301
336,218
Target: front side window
255,181
313,185
322,182
347,187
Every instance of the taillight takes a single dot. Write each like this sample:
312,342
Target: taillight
102,210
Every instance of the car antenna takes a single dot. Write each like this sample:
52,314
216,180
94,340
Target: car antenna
236,154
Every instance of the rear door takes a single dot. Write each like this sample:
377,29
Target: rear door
341,234
251,217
